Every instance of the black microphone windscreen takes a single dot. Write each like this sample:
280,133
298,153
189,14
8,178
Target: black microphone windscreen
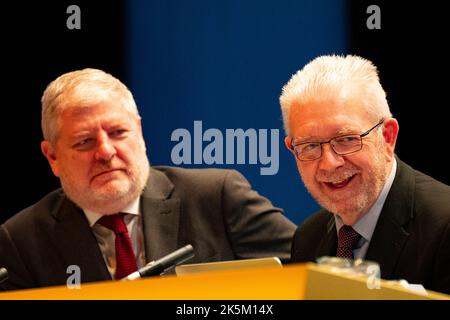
3,274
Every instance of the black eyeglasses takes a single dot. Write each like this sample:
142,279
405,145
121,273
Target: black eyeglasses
341,145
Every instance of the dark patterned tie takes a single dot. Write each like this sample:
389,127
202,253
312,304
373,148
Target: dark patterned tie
125,258
347,240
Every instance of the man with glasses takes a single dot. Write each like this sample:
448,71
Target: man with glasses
375,207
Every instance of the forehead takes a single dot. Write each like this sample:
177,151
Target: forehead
104,109
324,119
102,113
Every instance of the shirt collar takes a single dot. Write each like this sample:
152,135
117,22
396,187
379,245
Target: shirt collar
365,226
132,208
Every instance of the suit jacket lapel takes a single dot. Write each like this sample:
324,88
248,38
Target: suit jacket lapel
390,235
328,244
76,242
160,216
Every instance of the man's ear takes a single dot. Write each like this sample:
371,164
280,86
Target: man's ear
287,143
49,152
390,134
139,124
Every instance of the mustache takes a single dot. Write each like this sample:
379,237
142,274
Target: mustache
107,166
338,175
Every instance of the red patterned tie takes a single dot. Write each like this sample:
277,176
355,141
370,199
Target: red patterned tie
347,240
125,258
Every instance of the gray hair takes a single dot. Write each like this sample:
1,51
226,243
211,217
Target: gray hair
80,88
335,77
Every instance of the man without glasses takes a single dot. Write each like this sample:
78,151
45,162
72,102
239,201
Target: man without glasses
115,213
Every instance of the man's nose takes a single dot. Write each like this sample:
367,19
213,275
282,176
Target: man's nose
330,160
105,148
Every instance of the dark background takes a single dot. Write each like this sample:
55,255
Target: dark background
411,57
37,47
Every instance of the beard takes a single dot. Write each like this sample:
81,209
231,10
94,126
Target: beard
113,196
365,189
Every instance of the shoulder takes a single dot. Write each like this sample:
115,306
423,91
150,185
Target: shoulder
39,213
309,235
426,201
178,172
315,225
432,205
425,189
430,198
431,194
227,189
200,178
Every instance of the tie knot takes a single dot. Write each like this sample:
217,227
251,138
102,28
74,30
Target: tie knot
348,237
347,240
114,222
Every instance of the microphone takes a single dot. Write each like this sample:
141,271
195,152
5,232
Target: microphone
3,274
157,267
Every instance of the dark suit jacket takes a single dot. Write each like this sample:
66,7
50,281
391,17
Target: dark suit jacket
214,210
411,239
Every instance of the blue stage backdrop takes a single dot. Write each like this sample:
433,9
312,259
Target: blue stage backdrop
206,76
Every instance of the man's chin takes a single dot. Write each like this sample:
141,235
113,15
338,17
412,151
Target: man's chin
108,205
347,210
111,195
110,185
103,201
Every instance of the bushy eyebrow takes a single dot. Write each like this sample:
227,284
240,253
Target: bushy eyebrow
80,134
113,126
346,130
341,132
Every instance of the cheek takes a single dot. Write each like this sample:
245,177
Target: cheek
130,152
366,160
76,164
307,173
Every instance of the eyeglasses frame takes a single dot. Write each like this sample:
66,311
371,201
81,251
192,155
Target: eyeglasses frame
362,135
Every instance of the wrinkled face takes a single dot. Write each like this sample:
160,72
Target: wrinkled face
347,185
99,156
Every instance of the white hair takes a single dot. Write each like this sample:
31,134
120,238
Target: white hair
80,88
334,76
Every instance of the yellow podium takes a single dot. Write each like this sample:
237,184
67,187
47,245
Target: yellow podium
293,282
